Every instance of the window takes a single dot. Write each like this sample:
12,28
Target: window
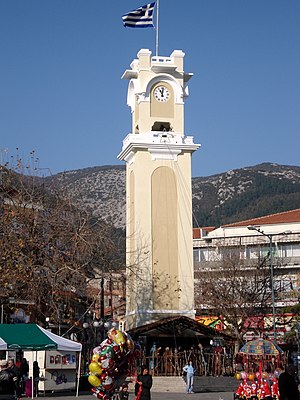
196,255
289,250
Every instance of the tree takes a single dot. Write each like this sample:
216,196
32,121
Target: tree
233,289
50,250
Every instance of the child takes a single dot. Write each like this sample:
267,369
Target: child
124,394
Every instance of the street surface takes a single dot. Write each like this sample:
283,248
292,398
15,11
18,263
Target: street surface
154,396
206,388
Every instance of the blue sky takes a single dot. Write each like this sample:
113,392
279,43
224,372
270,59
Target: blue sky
61,92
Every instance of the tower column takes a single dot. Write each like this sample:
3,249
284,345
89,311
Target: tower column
160,278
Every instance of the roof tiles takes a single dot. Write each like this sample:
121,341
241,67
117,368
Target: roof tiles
279,218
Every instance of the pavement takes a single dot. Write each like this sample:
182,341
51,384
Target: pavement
206,388
154,396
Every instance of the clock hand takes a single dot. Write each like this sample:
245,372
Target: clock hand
162,91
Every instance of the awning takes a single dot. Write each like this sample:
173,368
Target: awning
179,326
33,337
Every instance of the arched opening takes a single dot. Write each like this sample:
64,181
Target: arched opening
159,126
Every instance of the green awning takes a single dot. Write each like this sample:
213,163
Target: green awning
24,336
33,337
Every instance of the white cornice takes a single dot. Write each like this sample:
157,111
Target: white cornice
161,145
130,74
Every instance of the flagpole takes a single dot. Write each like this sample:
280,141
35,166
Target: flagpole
156,42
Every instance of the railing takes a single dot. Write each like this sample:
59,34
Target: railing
214,364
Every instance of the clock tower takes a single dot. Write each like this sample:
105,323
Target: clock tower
159,249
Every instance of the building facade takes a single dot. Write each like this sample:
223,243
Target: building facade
271,242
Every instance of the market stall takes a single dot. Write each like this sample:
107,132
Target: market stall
261,353
262,362
37,343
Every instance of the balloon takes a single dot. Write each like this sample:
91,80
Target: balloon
95,368
106,381
128,341
116,349
125,335
251,376
111,333
119,337
265,375
106,362
96,349
116,336
112,361
244,375
108,351
95,357
94,380
238,376
106,342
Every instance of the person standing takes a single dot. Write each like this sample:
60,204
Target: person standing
124,394
15,378
143,385
287,384
5,377
152,353
190,372
23,371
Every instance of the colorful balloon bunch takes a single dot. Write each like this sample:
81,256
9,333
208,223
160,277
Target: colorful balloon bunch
110,363
257,386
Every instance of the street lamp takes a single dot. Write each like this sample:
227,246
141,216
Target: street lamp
94,326
270,237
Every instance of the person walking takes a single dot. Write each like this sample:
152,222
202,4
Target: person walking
190,372
143,385
287,384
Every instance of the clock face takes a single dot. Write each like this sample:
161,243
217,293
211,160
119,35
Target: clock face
161,93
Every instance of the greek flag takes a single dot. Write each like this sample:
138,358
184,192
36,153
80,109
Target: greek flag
140,18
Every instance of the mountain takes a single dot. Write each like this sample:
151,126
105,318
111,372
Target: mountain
245,193
218,199
100,189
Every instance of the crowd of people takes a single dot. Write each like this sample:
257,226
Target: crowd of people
11,377
14,379
168,361
142,389
281,385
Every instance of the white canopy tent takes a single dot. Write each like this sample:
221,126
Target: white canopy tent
35,338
